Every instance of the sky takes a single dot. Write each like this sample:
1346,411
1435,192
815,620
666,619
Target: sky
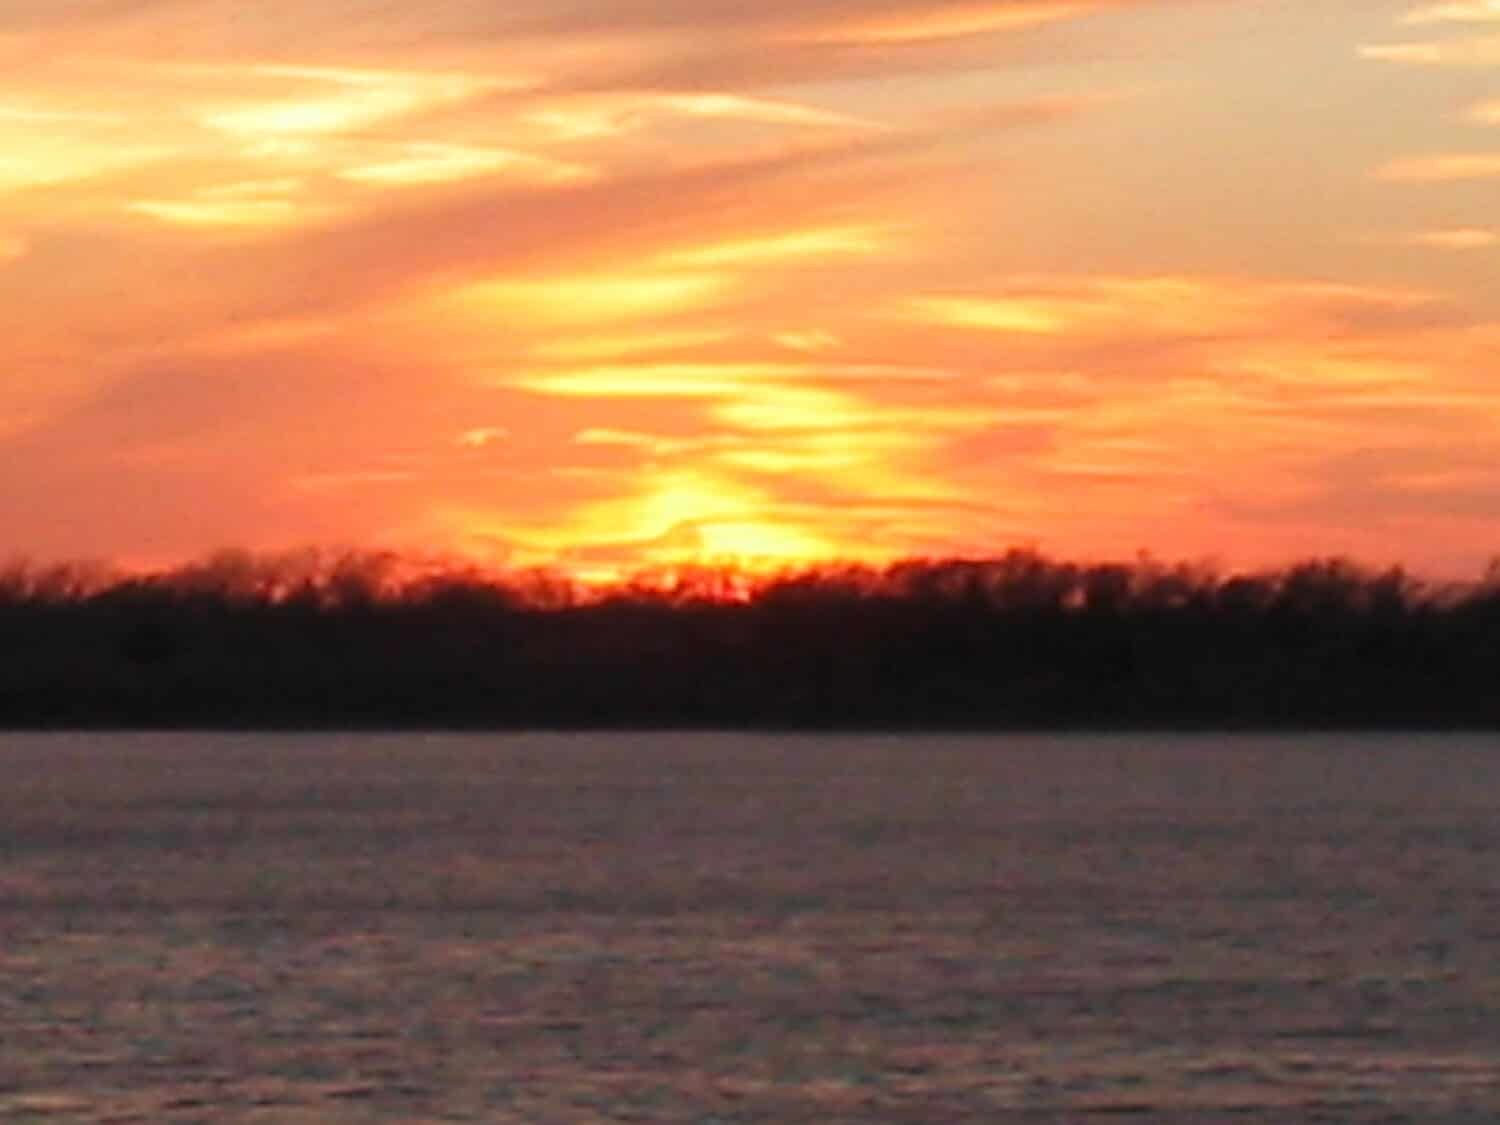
608,284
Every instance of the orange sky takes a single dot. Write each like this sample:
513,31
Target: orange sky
615,282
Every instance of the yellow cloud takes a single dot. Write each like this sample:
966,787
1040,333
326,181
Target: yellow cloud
1458,238
597,347
33,157
581,119
762,541
482,436
603,435
1019,315
1089,305
1462,11
1444,167
595,299
809,341
952,21
357,99
432,163
35,115
1479,52
796,408
718,379
659,380
764,110
1314,367
1168,305
578,123
241,203
220,213
818,244
690,515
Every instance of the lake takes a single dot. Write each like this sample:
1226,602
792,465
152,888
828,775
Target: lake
725,928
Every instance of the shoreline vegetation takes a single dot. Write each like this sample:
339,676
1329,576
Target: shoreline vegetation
1017,642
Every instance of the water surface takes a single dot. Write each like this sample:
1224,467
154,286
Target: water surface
728,928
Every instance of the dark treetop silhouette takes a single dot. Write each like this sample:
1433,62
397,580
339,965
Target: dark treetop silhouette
1015,641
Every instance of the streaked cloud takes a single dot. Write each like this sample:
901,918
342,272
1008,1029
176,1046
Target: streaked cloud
480,437
594,300
1164,305
769,111
1463,11
606,346
927,23
340,100
1480,52
1444,167
1000,314
430,163
38,160
1453,238
829,243
249,203
813,340
219,212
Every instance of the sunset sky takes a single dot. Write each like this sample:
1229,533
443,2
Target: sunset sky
610,283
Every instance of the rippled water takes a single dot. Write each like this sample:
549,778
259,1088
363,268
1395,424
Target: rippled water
723,928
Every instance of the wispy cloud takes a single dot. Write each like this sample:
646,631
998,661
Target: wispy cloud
1479,52
1453,238
431,163
934,22
1462,11
1444,167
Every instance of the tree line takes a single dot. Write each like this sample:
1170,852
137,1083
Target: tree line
1016,641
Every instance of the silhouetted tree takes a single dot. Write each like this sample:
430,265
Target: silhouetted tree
345,638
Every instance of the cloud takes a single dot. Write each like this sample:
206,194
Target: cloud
1454,238
1164,306
430,163
47,160
372,26
1444,167
814,340
482,436
594,300
357,100
936,22
204,212
816,244
768,111
1481,52
1462,11
603,345
591,235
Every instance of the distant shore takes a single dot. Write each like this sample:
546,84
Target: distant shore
1016,643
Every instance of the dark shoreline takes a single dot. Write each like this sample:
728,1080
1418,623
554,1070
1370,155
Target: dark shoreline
1017,644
